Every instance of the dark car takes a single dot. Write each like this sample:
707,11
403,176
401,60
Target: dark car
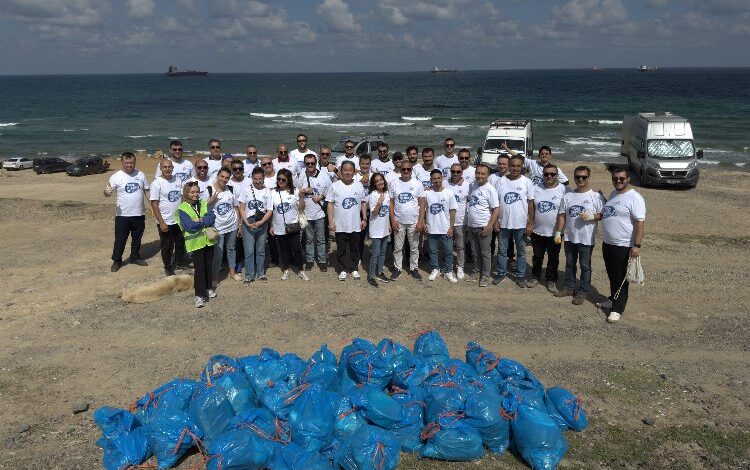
49,165
87,166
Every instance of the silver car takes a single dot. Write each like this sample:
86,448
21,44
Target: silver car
18,163
362,144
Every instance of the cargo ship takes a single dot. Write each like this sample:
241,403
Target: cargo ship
175,72
439,70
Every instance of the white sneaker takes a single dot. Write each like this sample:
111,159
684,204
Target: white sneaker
451,278
342,276
433,275
460,273
303,276
285,275
356,276
613,317
604,304
199,303
211,294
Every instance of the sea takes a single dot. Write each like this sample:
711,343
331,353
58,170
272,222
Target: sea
576,112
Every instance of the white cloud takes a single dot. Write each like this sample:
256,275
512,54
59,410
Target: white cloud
399,13
140,9
80,13
591,13
338,17
298,33
139,37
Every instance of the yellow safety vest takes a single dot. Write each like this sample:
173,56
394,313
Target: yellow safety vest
193,240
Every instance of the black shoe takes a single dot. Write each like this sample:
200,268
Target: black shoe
383,278
168,271
309,266
116,265
372,281
395,274
248,281
323,268
497,280
512,266
138,262
415,274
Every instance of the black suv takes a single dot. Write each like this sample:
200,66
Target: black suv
49,165
87,166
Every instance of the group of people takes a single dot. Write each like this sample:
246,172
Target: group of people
234,207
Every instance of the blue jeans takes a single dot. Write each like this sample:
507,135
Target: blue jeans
581,253
225,240
254,242
446,245
377,255
315,241
505,236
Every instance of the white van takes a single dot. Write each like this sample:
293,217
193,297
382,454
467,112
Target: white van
660,149
517,134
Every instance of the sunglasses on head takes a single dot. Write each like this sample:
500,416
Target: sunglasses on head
581,177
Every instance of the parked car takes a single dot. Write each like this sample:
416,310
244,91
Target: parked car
18,163
362,144
517,134
49,165
87,166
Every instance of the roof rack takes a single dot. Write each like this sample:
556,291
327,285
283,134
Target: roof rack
510,122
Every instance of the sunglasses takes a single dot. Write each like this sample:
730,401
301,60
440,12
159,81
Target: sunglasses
464,159
581,177
382,151
301,140
284,153
405,169
281,180
252,153
177,150
450,145
309,163
349,146
237,168
266,164
325,154
619,179
216,146
550,175
456,172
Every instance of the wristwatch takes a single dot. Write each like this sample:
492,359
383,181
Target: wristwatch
637,245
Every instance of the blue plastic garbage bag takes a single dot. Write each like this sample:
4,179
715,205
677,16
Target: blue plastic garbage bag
408,431
443,397
347,417
125,450
527,391
377,406
114,422
240,449
226,372
566,409
273,395
172,396
483,413
211,410
370,448
311,417
170,435
397,356
451,439
295,368
430,348
365,365
294,457
483,361
537,438
258,417
322,368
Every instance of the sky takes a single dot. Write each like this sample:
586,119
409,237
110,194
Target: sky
298,36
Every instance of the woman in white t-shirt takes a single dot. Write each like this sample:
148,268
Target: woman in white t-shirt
287,204
256,209
223,204
378,204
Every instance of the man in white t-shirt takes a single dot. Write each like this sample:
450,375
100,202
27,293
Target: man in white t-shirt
422,172
483,209
444,161
299,153
467,169
495,179
183,169
383,163
404,193
201,177
535,168
547,199
348,155
623,217
363,176
283,160
214,158
237,184
577,216
437,212
324,163
396,159
251,161
130,216
516,195
347,207
165,197
314,184
223,203
459,186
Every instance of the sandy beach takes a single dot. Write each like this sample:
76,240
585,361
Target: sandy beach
667,387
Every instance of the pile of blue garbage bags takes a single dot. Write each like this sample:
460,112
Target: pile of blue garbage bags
355,412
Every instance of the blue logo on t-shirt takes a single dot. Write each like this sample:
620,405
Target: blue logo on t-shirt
383,212
458,199
608,211
473,201
536,179
545,206
348,203
446,172
132,187
436,208
173,196
575,211
426,184
223,208
510,198
181,177
256,204
403,198
285,207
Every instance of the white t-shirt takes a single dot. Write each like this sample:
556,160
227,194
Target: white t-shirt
405,195
290,165
382,167
470,174
618,215
461,193
238,187
437,210
391,177
380,223
494,179
285,209
546,204
183,170
248,167
226,214
358,177
573,203
482,200
213,167
423,175
514,196
169,195
256,199
129,188
320,185
536,169
300,158
444,163
347,202
344,158
202,185
269,182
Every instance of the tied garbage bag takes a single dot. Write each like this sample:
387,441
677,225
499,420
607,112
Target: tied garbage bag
210,410
451,439
483,361
272,395
295,367
366,366
537,437
397,356
311,417
484,413
377,406
370,448
348,419
125,450
443,397
566,409
322,368
258,417
115,422
172,396
294,457
170,435
430,348
240,449
226,372
408,431
527,391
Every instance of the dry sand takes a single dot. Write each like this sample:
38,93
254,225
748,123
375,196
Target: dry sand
679,357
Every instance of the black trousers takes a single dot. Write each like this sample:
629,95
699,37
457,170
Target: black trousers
202,261
542,245
272,247
132,226
616,260
290,250
172,246
347,262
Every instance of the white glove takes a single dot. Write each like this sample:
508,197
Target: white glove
586,216
558,238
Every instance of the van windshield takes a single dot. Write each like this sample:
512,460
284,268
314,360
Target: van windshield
496,145
667,148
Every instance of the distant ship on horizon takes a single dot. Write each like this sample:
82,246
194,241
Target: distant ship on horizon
175,72
439,70
647,68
